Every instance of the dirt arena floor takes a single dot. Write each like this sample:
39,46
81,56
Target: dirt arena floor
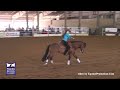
102,55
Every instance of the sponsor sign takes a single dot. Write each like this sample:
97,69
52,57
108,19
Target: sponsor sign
12,34
11,68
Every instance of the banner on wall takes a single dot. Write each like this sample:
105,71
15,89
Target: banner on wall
111,31
2,34
12,34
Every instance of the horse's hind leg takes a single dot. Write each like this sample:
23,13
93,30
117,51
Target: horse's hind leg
46,62
76,57
50,57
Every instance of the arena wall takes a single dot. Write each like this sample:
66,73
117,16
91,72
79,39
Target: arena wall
91,23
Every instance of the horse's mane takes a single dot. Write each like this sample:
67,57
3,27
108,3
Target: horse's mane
80,42
75,41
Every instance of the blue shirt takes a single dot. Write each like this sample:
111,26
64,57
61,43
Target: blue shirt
66,37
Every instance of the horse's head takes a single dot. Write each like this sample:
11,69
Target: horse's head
79,44
82,47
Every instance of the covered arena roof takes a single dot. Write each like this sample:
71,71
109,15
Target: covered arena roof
21,15
7,15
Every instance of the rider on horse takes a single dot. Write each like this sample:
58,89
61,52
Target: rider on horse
66,40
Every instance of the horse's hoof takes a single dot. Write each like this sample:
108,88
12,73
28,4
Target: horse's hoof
68,63
45,63
52,61
78,60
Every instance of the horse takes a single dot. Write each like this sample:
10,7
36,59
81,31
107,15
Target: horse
54,48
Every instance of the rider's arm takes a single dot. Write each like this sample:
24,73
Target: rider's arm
72,37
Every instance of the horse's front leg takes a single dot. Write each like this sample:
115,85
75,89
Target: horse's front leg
76,57
69,59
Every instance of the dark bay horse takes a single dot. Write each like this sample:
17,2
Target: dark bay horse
54,48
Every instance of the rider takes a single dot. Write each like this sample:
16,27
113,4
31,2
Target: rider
66,40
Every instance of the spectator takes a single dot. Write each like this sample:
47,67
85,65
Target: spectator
58,30
23,29
43,30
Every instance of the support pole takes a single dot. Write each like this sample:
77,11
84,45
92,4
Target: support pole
27,19
65,15
38,20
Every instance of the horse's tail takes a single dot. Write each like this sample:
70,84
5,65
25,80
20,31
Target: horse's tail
46,54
